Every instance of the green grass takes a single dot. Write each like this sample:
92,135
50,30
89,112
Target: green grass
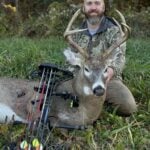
19,56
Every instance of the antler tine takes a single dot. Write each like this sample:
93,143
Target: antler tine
68,33
125,34
117,23
124,24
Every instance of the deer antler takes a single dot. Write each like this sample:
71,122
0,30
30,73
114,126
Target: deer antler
125,31
68,33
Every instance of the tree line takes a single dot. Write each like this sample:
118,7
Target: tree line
34,7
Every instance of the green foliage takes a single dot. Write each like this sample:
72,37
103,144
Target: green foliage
10,133
53,22
138,51
34,27
18,57
56,19
139,22
8,24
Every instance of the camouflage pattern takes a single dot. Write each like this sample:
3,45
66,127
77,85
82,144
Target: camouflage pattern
98,43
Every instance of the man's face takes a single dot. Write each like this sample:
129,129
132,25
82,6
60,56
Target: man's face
93,9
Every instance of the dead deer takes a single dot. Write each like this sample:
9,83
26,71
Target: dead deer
89,84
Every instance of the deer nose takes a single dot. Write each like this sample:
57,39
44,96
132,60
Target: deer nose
99,91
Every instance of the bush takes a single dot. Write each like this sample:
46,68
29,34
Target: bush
53,22
54,18
139,22
9,21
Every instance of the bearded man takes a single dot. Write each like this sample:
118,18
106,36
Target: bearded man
101,34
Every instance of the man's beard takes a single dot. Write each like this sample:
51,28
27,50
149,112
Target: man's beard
94,20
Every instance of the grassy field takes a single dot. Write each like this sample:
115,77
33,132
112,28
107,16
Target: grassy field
20,56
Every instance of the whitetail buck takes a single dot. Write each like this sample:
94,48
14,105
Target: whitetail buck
89,84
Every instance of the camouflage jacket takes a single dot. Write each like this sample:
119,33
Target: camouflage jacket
98,43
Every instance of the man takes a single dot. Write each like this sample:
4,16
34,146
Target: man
102,32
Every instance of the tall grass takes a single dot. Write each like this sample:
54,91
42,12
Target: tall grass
137,72
19,56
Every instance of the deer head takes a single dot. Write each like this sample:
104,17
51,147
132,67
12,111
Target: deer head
93,74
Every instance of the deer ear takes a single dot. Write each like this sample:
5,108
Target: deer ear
72,57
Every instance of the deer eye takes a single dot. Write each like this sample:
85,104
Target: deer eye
105,71
86,69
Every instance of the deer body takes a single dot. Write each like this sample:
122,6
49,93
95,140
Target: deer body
16,96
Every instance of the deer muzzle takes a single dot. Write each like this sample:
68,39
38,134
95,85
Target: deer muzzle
99,91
